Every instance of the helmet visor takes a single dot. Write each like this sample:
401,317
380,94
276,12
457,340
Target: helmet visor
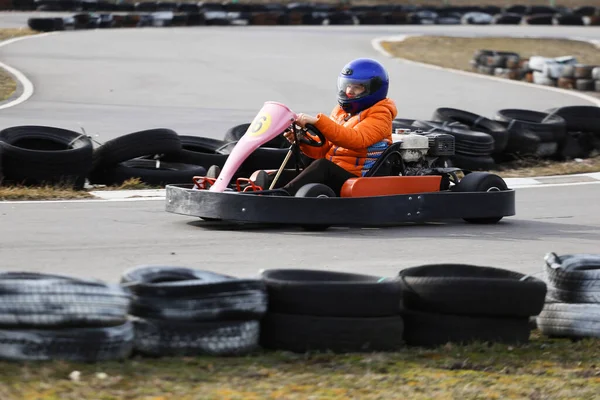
353,88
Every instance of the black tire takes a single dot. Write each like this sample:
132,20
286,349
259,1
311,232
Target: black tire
333,294
70,344
463,289
475,122
481,182
45,24
37,155
180,282
218,338
466,141
433,329
570,320
186,295
199,150
307,333
315,190
152,172
548,127
36,300
130,146
579,118
574,272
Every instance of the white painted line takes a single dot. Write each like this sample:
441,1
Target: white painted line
128,194
549,185
376,43
521,181
19,76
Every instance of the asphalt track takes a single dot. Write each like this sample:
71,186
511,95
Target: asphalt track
200,81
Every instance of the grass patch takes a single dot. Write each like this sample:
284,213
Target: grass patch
57,192
533,167
544,368
7,83
456,52
47,192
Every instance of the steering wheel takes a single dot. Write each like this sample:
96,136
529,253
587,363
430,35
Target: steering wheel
310,141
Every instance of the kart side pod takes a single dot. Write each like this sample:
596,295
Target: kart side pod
390,185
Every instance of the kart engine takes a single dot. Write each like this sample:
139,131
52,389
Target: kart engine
423,151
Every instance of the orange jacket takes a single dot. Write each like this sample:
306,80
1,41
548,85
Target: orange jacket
357,143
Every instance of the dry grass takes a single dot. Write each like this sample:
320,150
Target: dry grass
456,52
41,193
532,168
542,369
7,83
56,192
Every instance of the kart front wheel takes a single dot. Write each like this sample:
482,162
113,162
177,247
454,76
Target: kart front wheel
315,190
481,182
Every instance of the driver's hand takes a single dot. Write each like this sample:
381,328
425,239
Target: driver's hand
289,135
304,119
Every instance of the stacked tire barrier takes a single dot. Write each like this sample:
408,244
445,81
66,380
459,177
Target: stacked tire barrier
52,317
487,142
36,155
165,311
572,306
105,14
123,158
44,155
563,72
312,310
465,303
185,312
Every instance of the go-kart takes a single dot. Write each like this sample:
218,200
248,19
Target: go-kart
410,182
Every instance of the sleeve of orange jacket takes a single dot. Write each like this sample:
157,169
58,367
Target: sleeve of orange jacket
316,152
371,130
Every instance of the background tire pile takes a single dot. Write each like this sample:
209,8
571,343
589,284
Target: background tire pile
105,14
563,72
164,311
572,307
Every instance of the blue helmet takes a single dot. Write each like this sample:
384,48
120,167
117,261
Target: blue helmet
368,73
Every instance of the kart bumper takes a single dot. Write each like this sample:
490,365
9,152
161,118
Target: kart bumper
362,211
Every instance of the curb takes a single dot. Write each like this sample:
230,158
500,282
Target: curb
513,183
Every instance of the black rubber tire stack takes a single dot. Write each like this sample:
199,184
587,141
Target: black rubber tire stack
42,155
54,317
181,311
582,131
478,123
572,307
312,310
462,304
473,148
532,133
132,156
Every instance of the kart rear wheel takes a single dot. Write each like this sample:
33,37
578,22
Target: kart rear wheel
315,190
481,182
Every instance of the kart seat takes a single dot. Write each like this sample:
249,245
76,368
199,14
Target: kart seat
389,162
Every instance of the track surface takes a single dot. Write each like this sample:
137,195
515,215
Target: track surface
200,81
